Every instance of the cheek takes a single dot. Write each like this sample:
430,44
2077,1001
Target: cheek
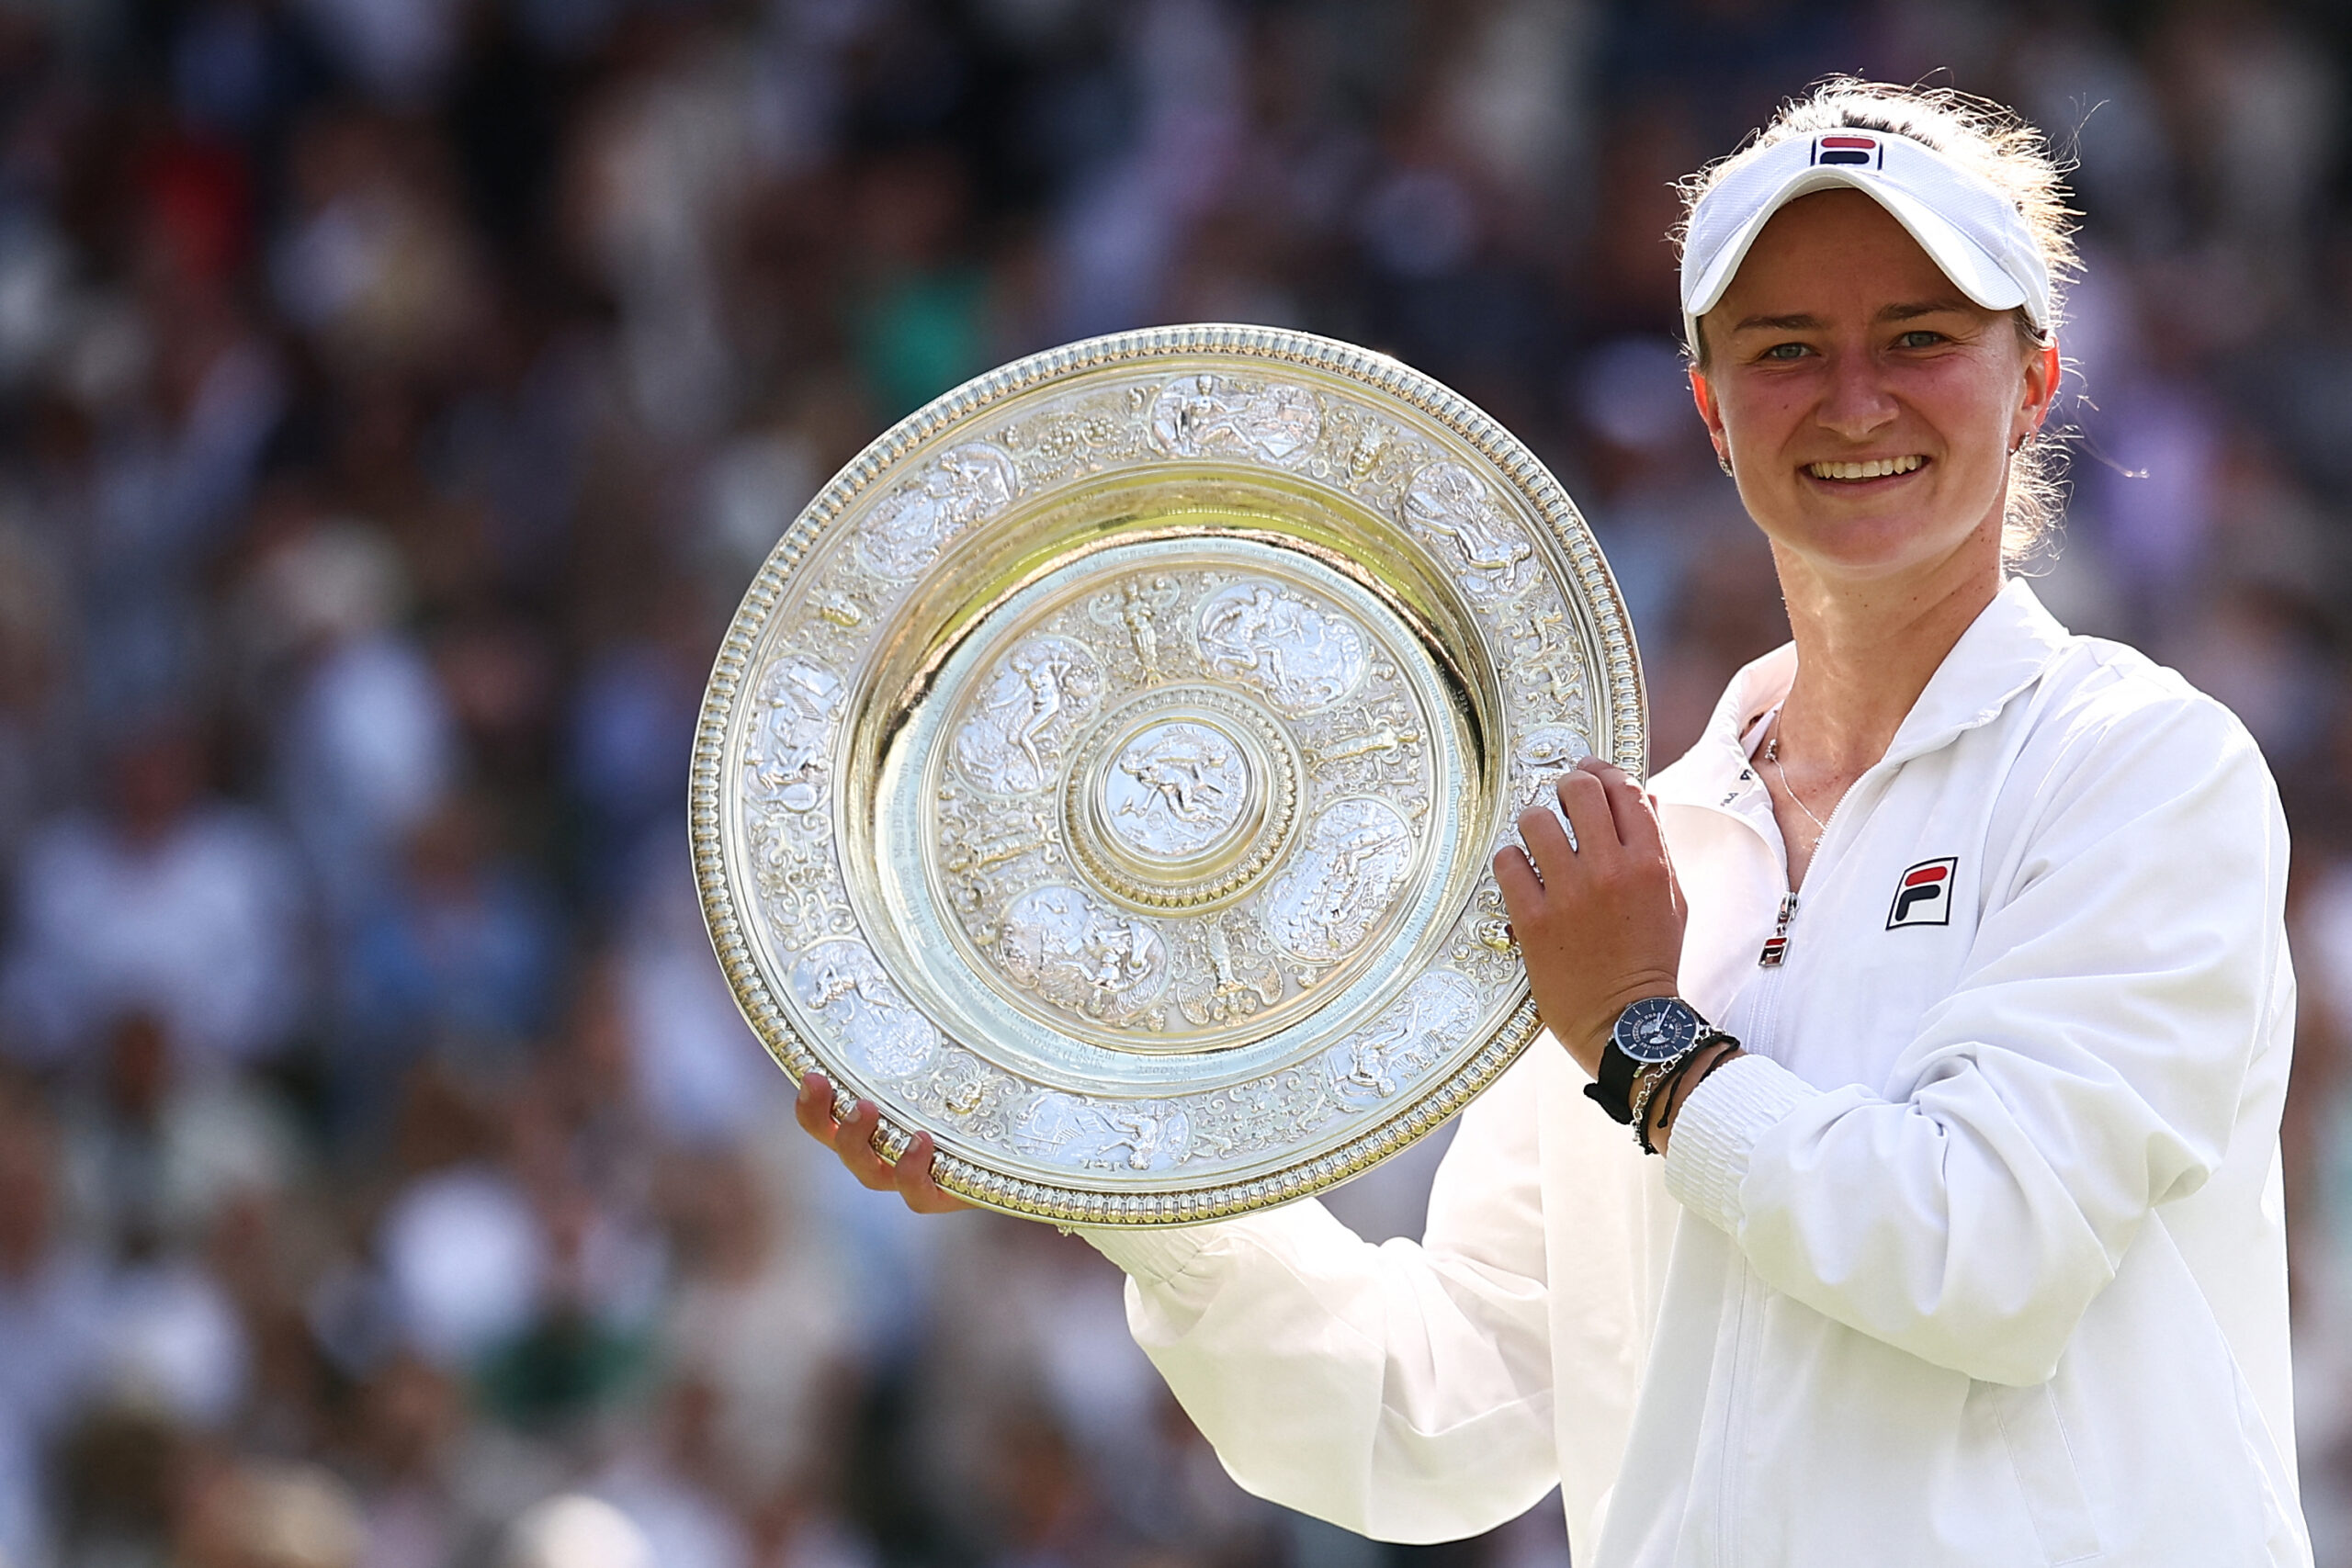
1760,417
1970,402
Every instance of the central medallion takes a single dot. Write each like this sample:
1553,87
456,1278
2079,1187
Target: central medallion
1181,796
1177,790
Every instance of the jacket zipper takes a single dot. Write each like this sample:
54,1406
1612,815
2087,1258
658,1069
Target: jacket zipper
1766,1028
1775,946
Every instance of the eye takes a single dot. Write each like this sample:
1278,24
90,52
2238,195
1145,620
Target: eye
1919,338
1786,351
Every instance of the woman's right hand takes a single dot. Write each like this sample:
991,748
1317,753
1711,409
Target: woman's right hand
853,1141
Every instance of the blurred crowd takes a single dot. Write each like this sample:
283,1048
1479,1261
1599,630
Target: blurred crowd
397,395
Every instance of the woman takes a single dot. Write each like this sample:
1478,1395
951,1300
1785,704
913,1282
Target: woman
1959,1016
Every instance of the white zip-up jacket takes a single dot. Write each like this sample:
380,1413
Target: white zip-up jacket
1976,1258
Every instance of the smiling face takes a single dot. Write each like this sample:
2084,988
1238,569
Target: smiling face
1868,407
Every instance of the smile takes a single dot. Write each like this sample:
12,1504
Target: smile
1873,468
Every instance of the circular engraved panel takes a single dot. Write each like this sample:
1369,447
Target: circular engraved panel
1182,797
1212,869
1301,655
1102,772
1176,789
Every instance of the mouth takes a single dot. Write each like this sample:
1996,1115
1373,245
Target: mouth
1867,470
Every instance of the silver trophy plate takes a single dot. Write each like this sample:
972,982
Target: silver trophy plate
1102,772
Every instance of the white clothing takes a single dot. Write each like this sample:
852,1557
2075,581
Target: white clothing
201,930
1976,1258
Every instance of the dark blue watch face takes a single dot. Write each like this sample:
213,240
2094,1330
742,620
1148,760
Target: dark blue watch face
1657,1029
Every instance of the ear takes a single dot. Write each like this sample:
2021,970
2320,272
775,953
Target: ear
1704,396
2043,372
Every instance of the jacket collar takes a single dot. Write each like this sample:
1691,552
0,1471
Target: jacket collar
2003,652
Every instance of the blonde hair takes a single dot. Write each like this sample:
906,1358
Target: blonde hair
1993,141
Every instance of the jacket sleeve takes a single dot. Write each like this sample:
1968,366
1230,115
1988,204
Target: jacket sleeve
1402,1390
2087,1068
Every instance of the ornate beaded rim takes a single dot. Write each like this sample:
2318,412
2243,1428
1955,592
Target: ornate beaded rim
1510,460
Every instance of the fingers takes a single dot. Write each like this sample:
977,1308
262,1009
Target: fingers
1634,819
1522,892
849,1138
813,1107
854,1142
917,1184
1585,797
1552,845
851,1141
1605,809
1548,843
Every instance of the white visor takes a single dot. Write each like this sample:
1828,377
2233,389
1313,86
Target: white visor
1967,227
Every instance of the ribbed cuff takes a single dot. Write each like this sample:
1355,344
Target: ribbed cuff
1716,1129
1154,1255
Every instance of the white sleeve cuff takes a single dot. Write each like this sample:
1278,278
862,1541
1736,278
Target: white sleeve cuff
1153,1255
1157,1255
1716,1130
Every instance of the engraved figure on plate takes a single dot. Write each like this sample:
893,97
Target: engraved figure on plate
977,841
1551,749
842,983
1433,1017
787,767
1240,973
1208,416
1355,859
787,752
1102,964
908,527
1035,698
1151,1134
1301,655
1544,756
1135,608
1374,748
1485,952
1176,790
1449,502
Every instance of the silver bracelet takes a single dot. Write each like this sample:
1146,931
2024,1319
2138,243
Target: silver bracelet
1642,1092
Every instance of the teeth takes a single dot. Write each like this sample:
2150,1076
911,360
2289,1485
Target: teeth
1876,468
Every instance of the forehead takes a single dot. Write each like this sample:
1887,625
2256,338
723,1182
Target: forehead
1833,245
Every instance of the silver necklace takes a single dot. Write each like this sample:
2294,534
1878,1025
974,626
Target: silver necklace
1772,755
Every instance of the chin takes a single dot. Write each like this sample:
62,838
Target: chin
1883,545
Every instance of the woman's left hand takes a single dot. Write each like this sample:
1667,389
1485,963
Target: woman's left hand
1601,926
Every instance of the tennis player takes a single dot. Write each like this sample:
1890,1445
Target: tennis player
1935,1007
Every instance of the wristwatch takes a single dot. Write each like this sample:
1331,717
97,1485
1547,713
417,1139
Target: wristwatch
1656,1032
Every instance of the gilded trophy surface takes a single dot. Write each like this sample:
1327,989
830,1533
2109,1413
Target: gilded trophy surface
1102,772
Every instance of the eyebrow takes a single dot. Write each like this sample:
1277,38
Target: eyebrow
1906,311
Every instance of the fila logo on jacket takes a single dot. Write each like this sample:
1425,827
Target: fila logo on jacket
1923,894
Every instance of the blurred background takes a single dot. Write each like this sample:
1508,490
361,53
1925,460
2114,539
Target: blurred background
397,395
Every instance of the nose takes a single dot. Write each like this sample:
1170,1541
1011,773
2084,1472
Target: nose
1856,403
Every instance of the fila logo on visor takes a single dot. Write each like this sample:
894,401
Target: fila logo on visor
1924,896
1863,150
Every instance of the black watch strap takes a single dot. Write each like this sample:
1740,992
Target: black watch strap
1612,1090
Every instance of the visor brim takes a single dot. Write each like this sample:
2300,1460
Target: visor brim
1970,268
